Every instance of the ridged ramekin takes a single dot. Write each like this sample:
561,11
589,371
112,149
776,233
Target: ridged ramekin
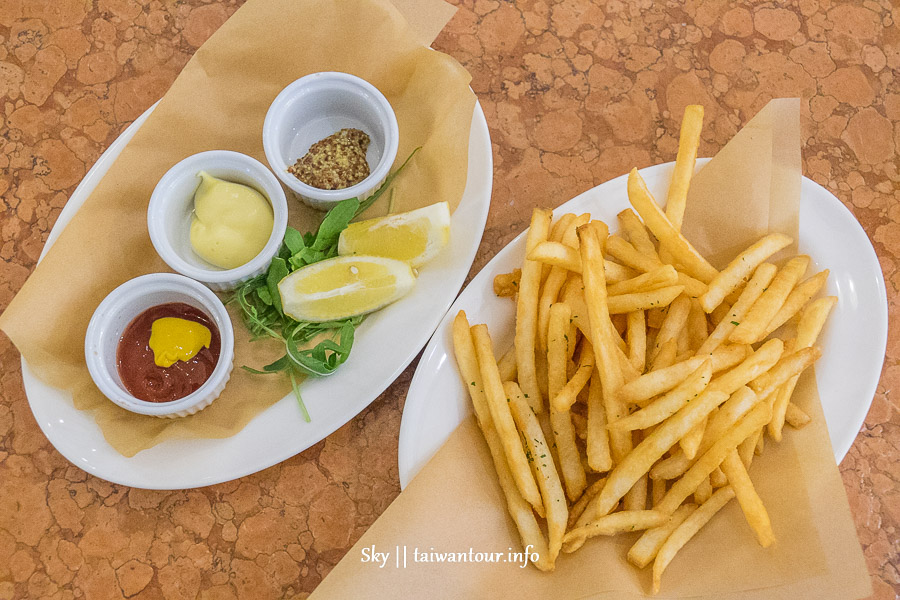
128,301
172,204
317,106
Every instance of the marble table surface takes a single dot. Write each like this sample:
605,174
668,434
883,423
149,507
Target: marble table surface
575,93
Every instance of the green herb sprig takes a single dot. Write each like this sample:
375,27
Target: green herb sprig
260,302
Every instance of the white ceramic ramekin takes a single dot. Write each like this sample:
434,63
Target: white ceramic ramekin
317,106
172,203
125,303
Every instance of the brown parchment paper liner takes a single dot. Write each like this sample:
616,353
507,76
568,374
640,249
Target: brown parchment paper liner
753,186
455,504
219,101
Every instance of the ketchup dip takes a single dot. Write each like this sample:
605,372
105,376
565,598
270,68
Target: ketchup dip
147,381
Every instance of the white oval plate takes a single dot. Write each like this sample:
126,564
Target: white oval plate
854,339
384,345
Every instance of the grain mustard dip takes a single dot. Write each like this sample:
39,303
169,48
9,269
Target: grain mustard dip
231,223
337,162
138,362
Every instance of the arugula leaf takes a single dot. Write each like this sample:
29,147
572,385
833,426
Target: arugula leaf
277,271
264,296
293,240
334,223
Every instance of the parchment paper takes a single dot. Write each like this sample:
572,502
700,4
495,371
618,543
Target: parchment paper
755,177
219,101
455,502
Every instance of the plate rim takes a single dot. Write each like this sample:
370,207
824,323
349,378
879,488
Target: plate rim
406,459
163,479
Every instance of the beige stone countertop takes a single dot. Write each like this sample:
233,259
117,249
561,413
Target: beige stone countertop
574,92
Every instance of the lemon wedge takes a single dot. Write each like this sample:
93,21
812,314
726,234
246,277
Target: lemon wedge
414,237
344,286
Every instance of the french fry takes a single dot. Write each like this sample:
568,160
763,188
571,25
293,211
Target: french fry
502,418
669,404
753,366
641,459
796,417
467,362
554,498
643,300
663,276
540,363
751,504
563,431
796,300
683,342
733,317
692,287
598,452
704,491
753,325
785,369
507,365
592,238
645,549
620,522
691,440
507,284
747,448
519,509
740,269
527,309
556,254
669,237
558,226
657,382
697,326
615,272
810,325
688,143
637,233
629,373
553,284
666,357
717,478
555,234
813,320
578,508
688,529
636,497
684,487
626,254
657,491
637,339
674,322
569,393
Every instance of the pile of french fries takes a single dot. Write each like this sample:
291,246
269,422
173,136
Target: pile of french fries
642,380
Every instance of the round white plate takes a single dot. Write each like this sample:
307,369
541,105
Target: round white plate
854,339
384,345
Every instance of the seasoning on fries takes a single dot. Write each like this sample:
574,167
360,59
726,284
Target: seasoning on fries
656,377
